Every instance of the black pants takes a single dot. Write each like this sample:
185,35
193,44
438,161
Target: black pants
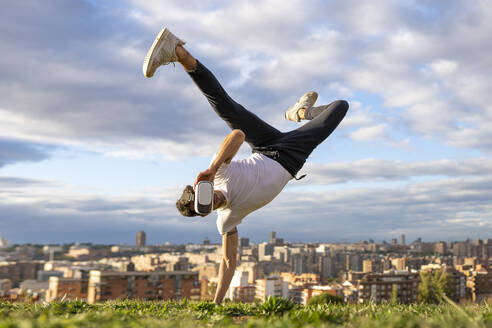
290,149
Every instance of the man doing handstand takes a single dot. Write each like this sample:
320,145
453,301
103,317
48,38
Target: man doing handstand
243,186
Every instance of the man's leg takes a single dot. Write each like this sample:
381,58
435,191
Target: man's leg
236,116
323,121
298,144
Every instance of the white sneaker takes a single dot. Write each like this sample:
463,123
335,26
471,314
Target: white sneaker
162,52
305,102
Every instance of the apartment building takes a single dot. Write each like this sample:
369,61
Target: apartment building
378,287
158,285
480,286
19,271
271,286
5,286
240,290
458,280
300,280
372,265
67,289
312,291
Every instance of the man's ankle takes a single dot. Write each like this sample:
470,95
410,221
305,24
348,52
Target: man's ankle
302,113
185,59
181,53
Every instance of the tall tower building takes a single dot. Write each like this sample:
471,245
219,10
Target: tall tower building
402,239
273,236
140,239
244,242
264,249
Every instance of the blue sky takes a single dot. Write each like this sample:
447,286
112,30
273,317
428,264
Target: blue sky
90,150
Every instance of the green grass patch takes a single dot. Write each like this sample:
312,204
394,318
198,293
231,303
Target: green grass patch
275,312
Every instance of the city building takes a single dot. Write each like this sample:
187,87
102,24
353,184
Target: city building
244,242
271,286
19,271
480,286
265,251
353,262
4,243
45,275
440,248
34,288
78,251
327,268
240,290
458,280
305,279
255,271
402,239
66,289
207,270
298,263
140,240
281,253
158,285
148,262
312,291
372,265
399,263
379,287
5,287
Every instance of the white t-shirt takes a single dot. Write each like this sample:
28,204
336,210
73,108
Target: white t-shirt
247,185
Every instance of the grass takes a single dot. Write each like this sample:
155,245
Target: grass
272,313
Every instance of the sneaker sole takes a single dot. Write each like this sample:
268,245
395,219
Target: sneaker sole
158,40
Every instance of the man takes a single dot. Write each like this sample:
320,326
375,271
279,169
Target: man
243,186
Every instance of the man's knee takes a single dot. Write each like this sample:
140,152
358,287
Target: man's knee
341,105
340,108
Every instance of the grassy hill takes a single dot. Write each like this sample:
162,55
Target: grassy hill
272,313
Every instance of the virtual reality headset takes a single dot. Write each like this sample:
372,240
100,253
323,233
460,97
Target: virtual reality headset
204,197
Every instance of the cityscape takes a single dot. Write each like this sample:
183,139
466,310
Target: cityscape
355,273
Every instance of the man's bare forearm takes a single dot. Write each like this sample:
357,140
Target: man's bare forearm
228,264
228,148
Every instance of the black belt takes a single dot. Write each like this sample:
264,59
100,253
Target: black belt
273,154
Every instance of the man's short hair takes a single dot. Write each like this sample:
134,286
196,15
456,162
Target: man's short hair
184,202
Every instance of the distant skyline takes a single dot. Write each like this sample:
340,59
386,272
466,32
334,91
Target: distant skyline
91,151
258,239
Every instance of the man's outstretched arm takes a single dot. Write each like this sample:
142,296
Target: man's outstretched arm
228,264
228,149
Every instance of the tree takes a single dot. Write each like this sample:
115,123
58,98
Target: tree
434,284
325,298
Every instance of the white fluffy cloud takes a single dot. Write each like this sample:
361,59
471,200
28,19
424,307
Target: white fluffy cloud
379,170
71,78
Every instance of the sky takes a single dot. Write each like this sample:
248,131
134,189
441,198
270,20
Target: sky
91,151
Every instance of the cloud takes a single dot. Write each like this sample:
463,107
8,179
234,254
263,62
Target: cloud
71,77
370,133
452,205
265,53
61,215
390,170
14,151
437,210
12,182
